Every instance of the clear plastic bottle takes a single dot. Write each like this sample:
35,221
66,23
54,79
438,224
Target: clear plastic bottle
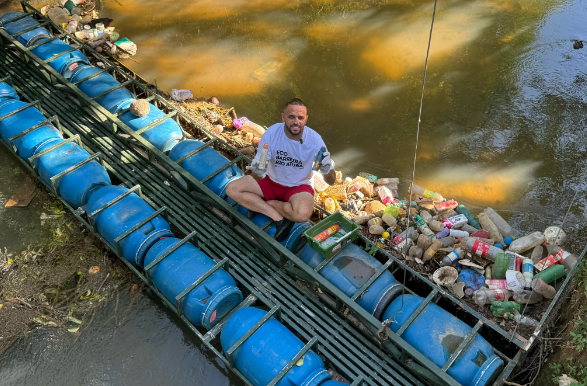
420,191
543,288
490,227
525,320
263,158
244,124
387,181
421,224
458,233
567,258
537,253
504,228
480,248
447,241
72,26
527,297
452,257
526,243
468,228
401,239
431,251
427,217
485,296
58,15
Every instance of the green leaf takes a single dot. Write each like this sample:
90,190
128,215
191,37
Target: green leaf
72,319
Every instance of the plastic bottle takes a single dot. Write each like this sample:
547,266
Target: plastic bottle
431,251
543,288
525,320
443,233
537,253
461,209
69,5
317,164
244,124
566,258
485,296
447,241
329,205
480,248
501,308
502,262
263,158
504,228
496,284
490,227
75,11
400,240
421,224
455,221
452,257
526,243
458,233
528,272
327,233
487,273
527,297
427,217
387,181
420,191
551,274
468,228
58,15
71,27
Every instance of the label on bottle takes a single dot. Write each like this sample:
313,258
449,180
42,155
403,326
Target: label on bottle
480,248
397,240
527,267
561,254
547,262
428,193
499,295
496,284
453,256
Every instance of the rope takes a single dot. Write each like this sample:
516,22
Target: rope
386,322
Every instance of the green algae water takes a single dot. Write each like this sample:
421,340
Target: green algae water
503,125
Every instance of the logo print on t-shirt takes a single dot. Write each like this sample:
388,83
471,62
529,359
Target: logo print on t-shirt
282,159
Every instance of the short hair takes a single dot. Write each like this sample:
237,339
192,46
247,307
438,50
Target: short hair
295,102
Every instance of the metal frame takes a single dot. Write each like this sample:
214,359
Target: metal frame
349,349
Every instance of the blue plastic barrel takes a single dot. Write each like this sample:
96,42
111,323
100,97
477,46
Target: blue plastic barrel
294,242
122,216
28,144
349,270
164,136
113,101
205,163
261,357
208,303
437,334
19,122
64,64
7,93
75,187
27,38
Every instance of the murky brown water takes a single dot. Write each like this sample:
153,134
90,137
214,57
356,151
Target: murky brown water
503,122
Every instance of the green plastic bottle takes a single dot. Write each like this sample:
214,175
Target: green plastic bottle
552,273
500,308
69,5
472,220
502,262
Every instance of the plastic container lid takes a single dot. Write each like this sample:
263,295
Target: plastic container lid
100,26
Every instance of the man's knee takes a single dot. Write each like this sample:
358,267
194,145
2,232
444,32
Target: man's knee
302,214
232,189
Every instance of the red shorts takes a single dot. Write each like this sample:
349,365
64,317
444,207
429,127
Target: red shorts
274,191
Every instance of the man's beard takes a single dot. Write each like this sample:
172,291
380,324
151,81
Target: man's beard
288,128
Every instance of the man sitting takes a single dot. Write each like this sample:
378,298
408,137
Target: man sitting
285,193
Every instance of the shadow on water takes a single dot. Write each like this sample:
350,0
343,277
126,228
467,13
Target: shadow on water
134,341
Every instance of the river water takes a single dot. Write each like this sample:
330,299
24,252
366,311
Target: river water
503,124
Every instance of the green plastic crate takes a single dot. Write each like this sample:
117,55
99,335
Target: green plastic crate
345,224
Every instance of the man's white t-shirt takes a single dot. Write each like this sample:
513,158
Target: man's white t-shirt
289,161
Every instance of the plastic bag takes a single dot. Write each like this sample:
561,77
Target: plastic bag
472,279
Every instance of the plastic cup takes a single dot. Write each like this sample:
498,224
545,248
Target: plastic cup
114,37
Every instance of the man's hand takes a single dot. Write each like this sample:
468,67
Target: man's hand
255,168
327,163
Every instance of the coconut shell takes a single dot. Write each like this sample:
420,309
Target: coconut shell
140,108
